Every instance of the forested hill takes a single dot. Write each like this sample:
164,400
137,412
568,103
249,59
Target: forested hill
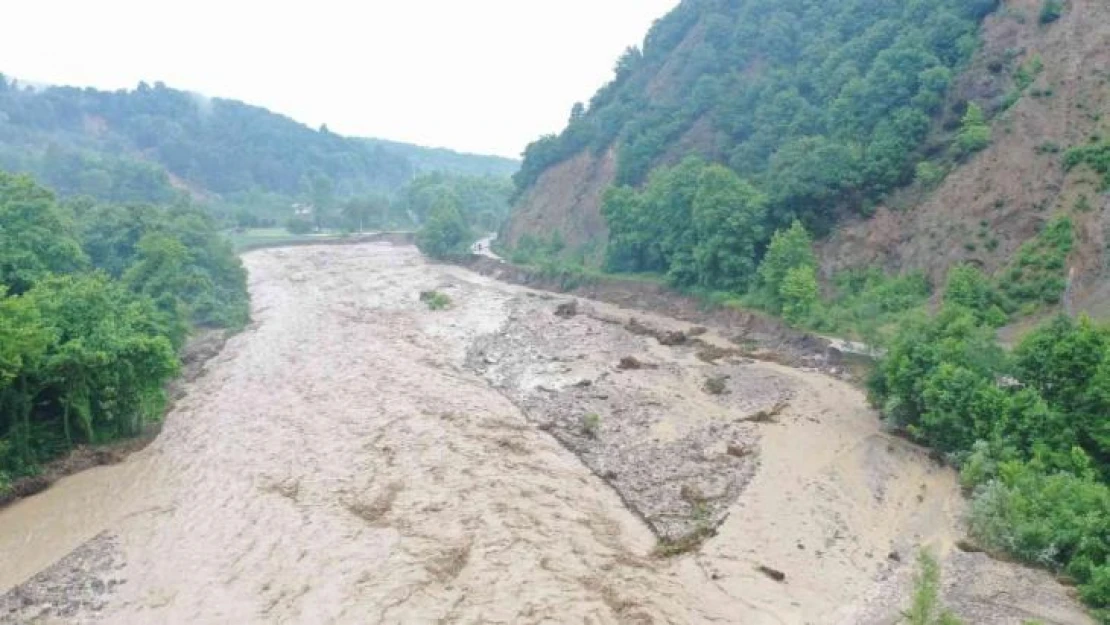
154,142
821,105
430,160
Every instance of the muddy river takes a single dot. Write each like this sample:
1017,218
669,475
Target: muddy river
354,457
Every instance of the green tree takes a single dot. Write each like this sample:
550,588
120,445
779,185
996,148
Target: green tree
35,239
974,133
799,294
445,232
728,216
789,249
362,212
969,288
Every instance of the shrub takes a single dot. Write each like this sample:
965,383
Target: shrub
968,288
1051,11
926,608
929,174
799,294
974,134
1037,275
591,424
1095,155
435,300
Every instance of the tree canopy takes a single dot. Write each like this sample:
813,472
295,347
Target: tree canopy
95,300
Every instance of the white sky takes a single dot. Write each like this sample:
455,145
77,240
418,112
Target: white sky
485,76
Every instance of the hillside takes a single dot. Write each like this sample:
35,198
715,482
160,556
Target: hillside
853,119
822,108
928,177
154,142
431,160
986,209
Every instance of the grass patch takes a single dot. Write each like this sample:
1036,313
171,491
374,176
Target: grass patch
591,424
258,238
435,300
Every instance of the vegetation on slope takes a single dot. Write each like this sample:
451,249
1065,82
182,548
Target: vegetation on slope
820,106
820,109
1028,428
155,144
95,302
817,111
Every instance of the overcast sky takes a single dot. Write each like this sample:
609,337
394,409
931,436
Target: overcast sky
483,76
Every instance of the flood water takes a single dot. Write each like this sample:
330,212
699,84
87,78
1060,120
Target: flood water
338,463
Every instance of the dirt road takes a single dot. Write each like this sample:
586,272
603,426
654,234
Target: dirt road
356,458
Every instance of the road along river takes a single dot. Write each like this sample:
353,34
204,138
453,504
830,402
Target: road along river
354,457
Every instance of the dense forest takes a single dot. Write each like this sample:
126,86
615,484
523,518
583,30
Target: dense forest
819,108
96,301
155,144
818,112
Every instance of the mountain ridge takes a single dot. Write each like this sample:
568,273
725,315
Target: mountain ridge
152,142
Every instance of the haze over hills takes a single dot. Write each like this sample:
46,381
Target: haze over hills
154,142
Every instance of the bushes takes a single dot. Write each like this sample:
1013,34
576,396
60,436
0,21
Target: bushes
435,300
969,289
1094,155
1037,275
1056,519
84,355
1051,10
1029,430
974,134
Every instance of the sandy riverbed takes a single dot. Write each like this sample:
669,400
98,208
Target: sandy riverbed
356,458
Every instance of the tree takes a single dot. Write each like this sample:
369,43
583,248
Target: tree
35,239
798,294
23,340
789,249
728,218
969,288
445,232
974,133
360,212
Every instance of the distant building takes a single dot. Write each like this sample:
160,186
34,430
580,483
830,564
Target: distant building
303,210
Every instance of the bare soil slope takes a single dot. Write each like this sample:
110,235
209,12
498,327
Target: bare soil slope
988,207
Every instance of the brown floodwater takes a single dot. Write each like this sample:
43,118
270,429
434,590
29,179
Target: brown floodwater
338,462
